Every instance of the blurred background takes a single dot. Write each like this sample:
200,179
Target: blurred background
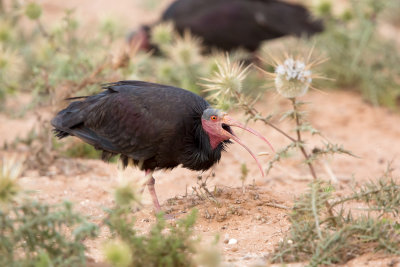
51,50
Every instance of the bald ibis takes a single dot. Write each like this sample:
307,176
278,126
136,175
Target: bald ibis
230,24
155,126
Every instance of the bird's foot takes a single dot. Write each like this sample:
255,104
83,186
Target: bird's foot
169,217
165,216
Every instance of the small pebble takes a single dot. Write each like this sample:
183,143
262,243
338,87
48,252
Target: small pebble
290,241
226,239
248,256
234,249
259,263
232,241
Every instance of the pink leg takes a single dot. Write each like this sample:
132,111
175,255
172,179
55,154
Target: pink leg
150,185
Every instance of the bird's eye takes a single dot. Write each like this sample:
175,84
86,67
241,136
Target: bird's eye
213,118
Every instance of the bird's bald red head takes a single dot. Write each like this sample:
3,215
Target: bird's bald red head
217,124
140,39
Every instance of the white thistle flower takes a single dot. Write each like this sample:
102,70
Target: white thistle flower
293,76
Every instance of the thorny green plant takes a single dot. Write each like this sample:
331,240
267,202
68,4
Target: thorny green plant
245,172
34,233
57,55
292,77
164,245
336,234
38,234
10,170
62,63
361,58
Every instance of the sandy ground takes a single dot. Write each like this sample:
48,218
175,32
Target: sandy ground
369,132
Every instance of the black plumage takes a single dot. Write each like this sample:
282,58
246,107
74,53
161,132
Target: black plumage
230,24
153,125
156,124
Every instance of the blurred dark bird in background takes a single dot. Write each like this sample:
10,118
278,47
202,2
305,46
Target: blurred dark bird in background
232,24
151,125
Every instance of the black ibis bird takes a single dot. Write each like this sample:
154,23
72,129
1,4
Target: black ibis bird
154,126
230,24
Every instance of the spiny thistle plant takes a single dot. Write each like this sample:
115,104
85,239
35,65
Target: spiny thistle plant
57,54
6,32
226,82
181,65
38,234
361,58
10,170
127,192
118,253
163,34
335,234
184,50
164,245
292,76
34,233
11,69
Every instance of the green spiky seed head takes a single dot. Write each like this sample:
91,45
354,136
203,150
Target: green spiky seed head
244,169
8,189
125,195
109,26
5,31
118,253
10,171
226,81
184,51
324,8
162,34
347,15
165,71
208,256
43,260
33,11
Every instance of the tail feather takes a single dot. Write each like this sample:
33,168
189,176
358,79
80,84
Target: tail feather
60,134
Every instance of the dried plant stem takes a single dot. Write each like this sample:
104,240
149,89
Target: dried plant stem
91,78
276,205
43,30
363,195
266,121
314,209
203,186
249,109
255,114
299,140
307,157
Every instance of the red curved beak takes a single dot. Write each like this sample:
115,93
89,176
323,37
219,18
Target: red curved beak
226,119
